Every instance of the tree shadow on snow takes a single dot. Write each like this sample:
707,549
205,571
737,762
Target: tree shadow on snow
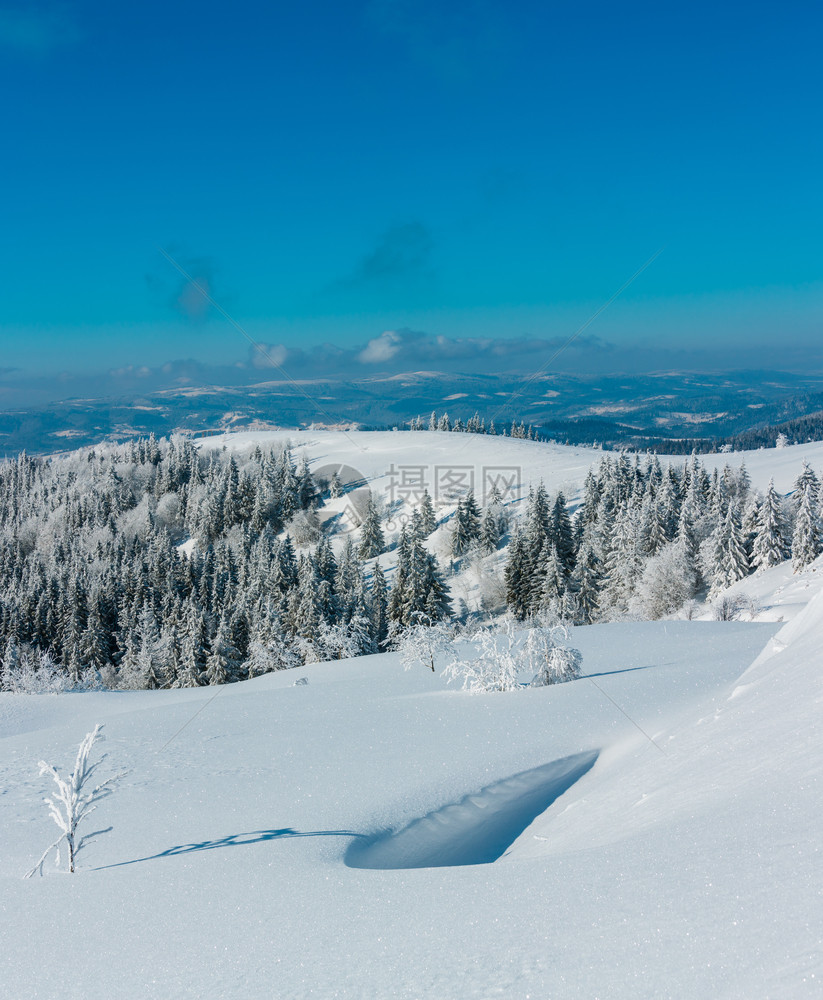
234,840
627,670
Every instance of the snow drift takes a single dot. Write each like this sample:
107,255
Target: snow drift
479,828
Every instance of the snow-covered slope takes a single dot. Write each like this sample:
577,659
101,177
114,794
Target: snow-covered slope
258,842
376,453
650,830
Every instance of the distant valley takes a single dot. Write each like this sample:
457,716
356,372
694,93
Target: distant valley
663,411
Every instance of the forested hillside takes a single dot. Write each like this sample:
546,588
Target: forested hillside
167,563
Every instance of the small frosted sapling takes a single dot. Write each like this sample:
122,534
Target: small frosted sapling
492,665
421,641
553,660
75,800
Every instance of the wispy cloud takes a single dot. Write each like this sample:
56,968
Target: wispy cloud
410,350
34,32
180,295
402,252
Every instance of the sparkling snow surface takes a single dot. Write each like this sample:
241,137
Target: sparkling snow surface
663,819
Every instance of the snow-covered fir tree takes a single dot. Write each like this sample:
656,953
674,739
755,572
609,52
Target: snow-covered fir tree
769,547
372,540
151,563
806,537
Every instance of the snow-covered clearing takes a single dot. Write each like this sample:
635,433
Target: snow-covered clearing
376,453
678,867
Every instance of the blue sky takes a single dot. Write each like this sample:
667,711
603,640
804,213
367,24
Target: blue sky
470,171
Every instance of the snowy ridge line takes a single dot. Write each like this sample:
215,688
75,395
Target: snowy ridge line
478,829
796,630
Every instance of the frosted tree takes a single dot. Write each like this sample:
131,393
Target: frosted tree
147,659
562,534
554,579
75,801
769,547
379,607
729,562
466,525
191,664
806,537
495,664
806,485
517,576
11,665
586,581
551,657
651,534
223,661
490,531
418,585
372,541
751,524
667,582
422,641
268,648
623,563
428,521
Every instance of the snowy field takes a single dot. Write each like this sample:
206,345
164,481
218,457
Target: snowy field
251,853
649,830
375,453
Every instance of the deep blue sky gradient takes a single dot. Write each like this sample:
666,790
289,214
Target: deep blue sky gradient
333,170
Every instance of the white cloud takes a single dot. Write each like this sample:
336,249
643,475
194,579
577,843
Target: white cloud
381,348
268,355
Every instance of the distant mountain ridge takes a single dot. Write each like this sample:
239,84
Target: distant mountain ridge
660,410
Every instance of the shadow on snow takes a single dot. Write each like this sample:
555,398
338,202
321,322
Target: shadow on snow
234,840
476,830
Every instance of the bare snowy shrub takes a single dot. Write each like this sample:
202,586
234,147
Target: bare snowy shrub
495,666
690,610
266,657
75,802
551,657
750,606
728,608
346,639
492,592
136,523
168,513
440,545
33,672
421,642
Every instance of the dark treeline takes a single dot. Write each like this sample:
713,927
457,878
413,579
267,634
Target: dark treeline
613,435
475,424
